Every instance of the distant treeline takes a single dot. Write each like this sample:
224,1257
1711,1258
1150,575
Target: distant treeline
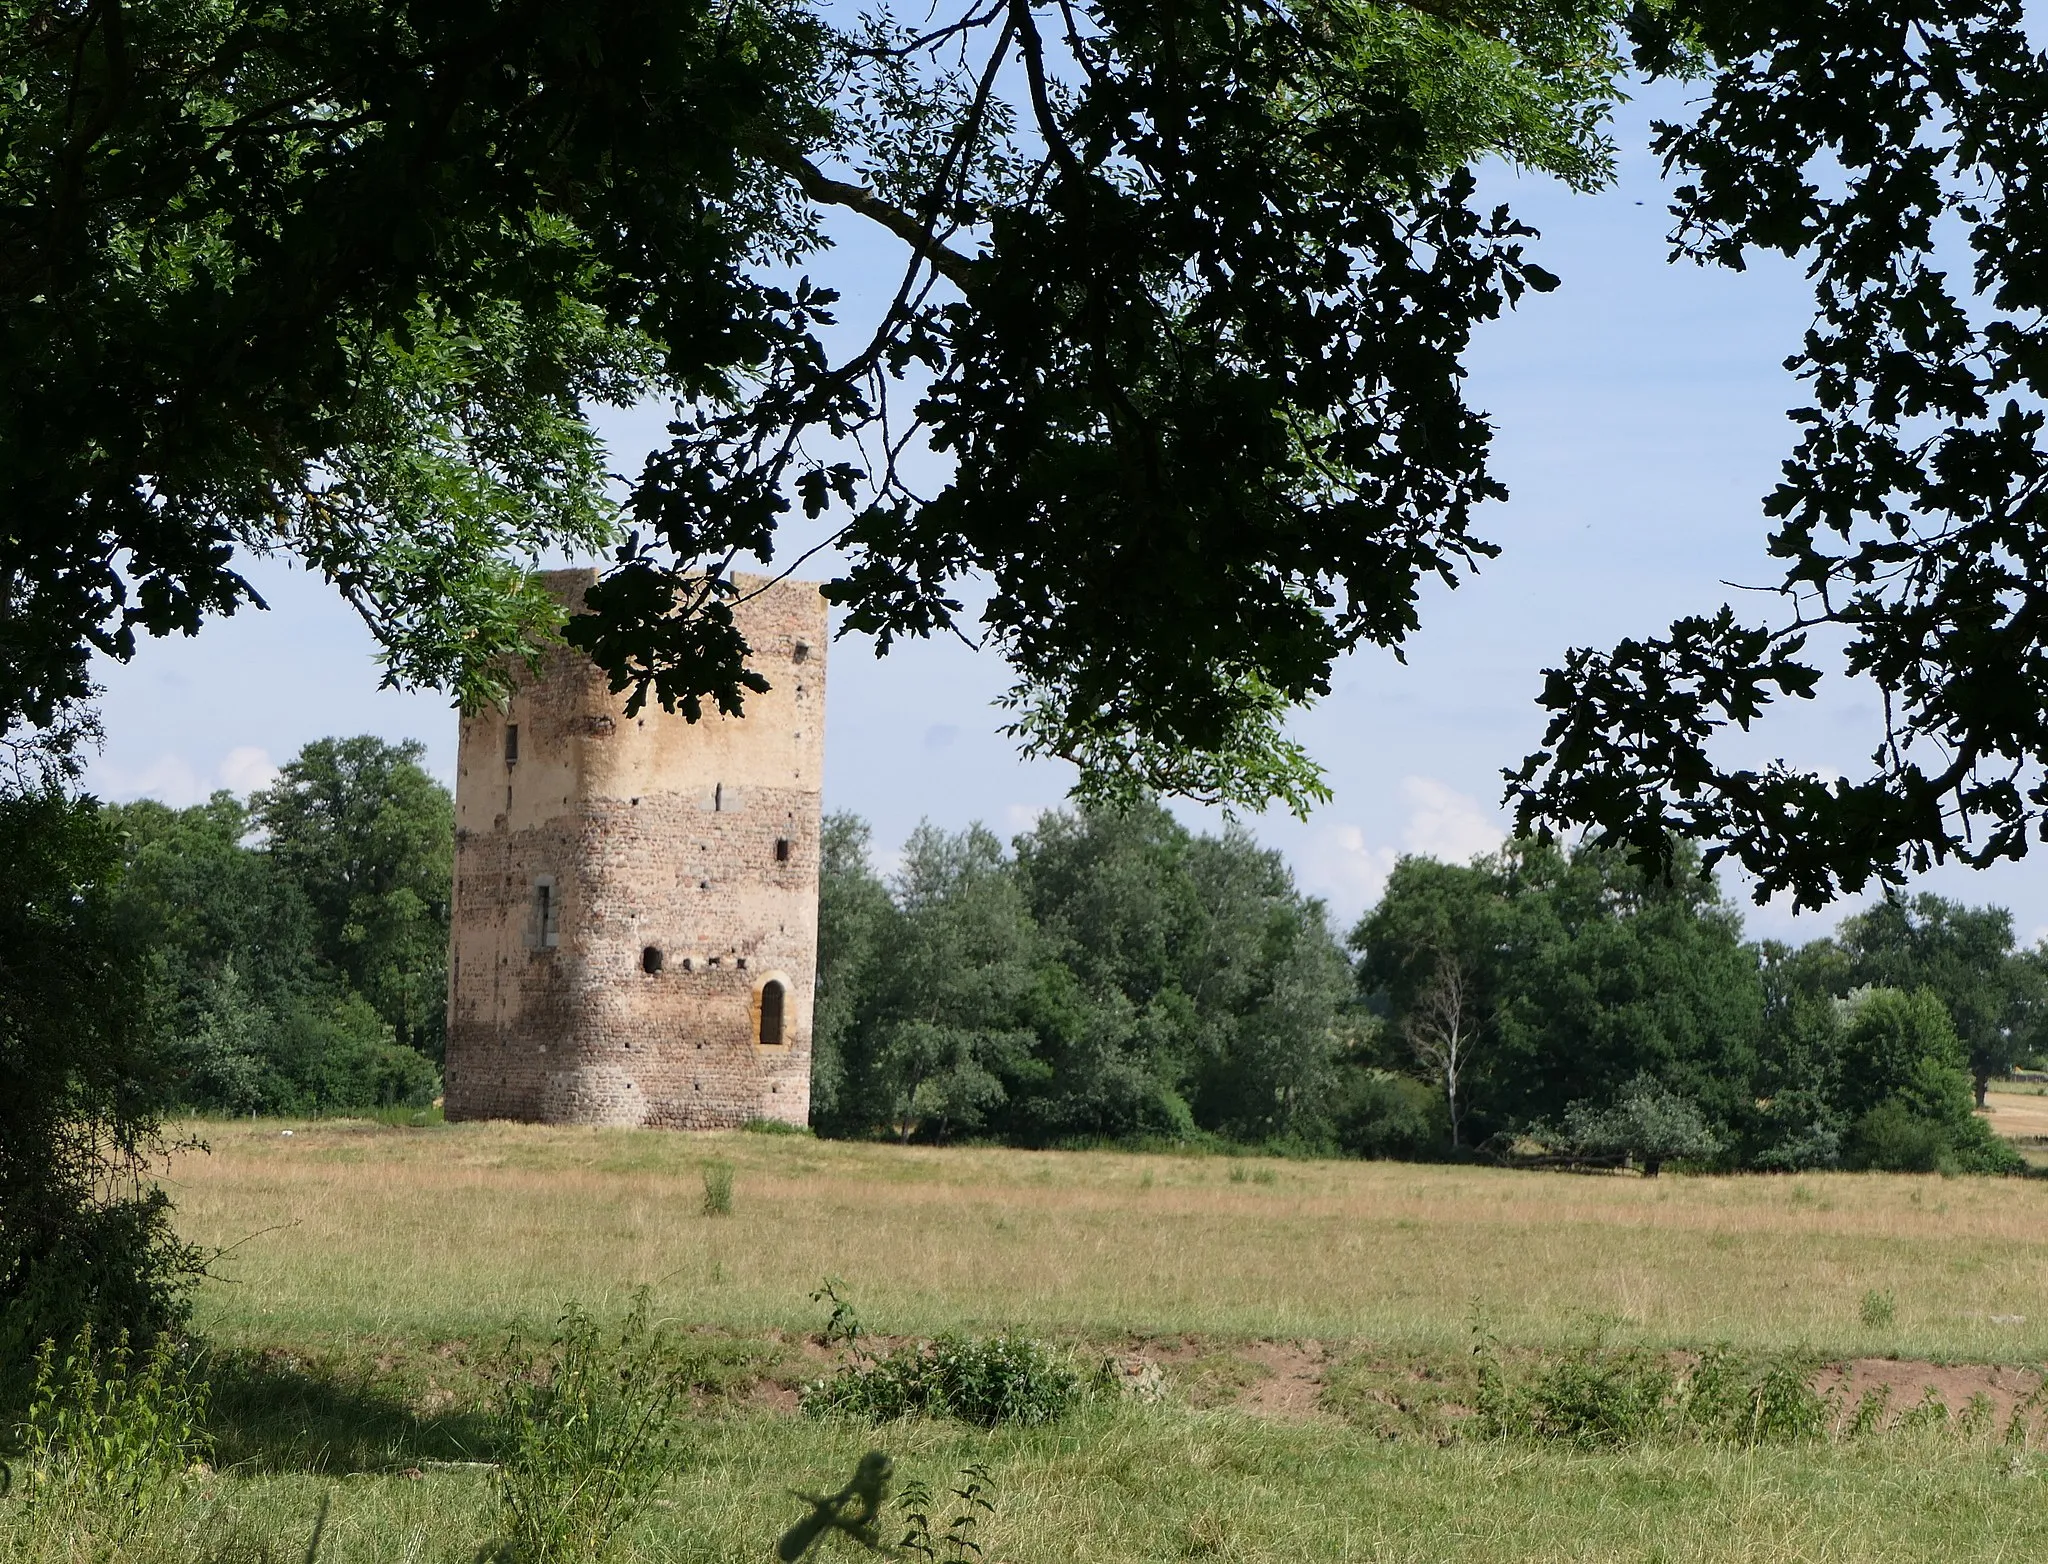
1115,976
297,943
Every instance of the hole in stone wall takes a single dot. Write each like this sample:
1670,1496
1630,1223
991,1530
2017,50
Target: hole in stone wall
650,959
771,1015
511,743
782,849
802,652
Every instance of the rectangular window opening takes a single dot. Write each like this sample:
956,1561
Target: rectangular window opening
511,743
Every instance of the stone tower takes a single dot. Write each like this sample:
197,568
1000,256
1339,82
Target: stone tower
635,918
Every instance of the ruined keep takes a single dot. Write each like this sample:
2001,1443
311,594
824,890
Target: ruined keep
635,920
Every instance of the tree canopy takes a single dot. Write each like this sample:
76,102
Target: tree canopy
1170,381
1184,294
297,944
1900,149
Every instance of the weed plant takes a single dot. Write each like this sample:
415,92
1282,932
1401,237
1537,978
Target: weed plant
956,1539
587,1432
987,1380
110,1442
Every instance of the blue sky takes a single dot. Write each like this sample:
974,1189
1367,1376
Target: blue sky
1640,417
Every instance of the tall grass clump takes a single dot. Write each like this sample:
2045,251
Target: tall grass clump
586,1430
111,1440
718,1189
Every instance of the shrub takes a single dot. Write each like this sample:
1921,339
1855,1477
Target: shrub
1603,1398
340,1057
1647,1122
585,1430
85,1231
985,1380
1381,1115
1890,1138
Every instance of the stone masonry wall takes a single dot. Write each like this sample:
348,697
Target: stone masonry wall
679,864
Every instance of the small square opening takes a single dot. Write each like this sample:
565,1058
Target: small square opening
650,960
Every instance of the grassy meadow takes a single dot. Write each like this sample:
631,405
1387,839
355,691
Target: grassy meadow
343,1229
1313,1321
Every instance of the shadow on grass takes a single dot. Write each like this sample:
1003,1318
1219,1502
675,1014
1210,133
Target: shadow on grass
277,1412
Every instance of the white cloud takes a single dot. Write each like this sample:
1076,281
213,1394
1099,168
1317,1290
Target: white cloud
1346,870
1349,871
173,780
167,779
1446,824
246,769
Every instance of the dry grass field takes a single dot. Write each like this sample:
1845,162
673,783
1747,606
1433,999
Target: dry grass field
341,1229
1313,1319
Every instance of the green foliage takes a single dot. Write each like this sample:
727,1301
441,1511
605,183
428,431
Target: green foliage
368,837
586,1434
1379,1114
1884,148
85,1231
1579,973
717,1188
1583,973
408,409
1993,996
298,945
845,1322
1601,1397
988,1380
932,1535
1115,978
1646,1123
110,1436
1878,1309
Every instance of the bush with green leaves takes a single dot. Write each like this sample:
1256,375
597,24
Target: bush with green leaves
586,1432
85,1229
987,1380
1602,1397
1380,1114
1647,1124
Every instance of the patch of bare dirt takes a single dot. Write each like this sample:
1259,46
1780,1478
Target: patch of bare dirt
1292,1389
1903,1384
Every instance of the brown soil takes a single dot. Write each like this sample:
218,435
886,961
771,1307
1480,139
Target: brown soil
1906,1384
